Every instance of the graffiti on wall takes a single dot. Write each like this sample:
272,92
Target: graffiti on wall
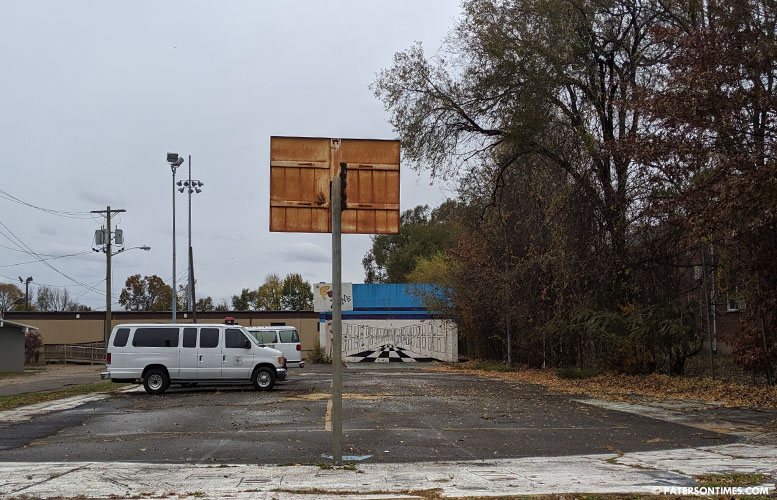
383,342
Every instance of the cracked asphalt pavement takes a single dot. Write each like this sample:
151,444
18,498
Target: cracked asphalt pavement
391,415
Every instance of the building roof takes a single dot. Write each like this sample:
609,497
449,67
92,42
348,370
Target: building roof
21,326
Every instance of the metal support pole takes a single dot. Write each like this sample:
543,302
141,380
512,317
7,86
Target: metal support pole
189,278
175,292
194,295
337,295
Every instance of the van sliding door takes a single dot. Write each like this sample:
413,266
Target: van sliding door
209,354
189,363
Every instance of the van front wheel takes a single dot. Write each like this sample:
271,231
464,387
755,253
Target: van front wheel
156,381
264,379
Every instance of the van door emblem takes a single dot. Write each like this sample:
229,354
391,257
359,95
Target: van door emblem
237,361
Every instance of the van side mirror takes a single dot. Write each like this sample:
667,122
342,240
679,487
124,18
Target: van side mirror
246,344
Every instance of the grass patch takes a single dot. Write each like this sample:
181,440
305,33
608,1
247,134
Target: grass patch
570,372
29,398
26,372
485,366
734,479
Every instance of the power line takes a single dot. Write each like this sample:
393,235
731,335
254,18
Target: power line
54,286
28,253
58,213
24,245
50,258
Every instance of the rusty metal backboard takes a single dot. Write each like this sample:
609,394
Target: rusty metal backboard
301,169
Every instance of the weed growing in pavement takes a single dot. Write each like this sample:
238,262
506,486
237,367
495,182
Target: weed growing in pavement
318,355
733,479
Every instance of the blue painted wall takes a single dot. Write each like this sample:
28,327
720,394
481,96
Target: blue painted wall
387,301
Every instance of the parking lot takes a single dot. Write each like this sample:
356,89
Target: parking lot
390,415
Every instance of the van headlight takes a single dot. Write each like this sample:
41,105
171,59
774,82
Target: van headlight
281,361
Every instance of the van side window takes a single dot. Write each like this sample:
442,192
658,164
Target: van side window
155,337
120,340
190,337
289,336
234,338
209,338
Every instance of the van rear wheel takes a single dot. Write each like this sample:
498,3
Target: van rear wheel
156,381
264,379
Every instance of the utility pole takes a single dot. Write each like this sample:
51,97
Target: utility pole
108,255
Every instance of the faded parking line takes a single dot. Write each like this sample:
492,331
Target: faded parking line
26,413
328,418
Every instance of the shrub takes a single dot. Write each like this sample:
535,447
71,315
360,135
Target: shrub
32,345
319,355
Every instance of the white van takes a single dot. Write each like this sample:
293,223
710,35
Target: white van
162,354
283,338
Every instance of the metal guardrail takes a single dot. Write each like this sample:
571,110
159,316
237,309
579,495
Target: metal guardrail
78,354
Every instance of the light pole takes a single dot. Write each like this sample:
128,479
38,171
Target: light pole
175,161
192,186
108,255
26,291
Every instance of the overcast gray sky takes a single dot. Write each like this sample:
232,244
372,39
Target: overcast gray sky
95,93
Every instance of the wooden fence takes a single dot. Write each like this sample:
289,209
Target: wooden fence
78,354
